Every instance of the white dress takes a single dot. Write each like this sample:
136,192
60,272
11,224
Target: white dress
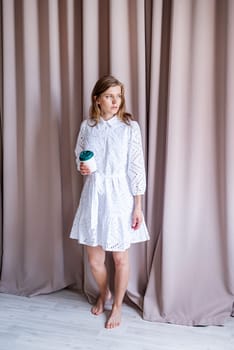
104,215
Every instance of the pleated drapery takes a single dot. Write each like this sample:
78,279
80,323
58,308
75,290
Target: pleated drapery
175,59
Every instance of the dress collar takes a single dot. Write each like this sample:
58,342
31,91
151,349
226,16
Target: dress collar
110,122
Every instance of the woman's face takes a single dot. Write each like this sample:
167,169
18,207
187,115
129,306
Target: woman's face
109,101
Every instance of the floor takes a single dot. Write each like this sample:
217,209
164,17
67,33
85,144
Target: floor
62,321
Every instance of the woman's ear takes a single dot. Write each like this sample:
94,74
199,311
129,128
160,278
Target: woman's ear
96,100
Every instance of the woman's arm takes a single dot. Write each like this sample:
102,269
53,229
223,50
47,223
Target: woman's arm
137,215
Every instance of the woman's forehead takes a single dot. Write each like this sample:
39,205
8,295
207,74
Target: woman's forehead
113,90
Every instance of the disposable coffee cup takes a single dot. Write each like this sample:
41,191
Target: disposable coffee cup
87,157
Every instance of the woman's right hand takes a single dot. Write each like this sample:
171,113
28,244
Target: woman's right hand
84,170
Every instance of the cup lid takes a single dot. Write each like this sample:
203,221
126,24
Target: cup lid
86,155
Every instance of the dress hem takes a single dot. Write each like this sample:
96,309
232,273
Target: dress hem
106,249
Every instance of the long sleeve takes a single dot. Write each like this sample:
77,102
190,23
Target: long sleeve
136,164
80,144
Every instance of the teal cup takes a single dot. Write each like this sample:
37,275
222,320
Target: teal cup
87,157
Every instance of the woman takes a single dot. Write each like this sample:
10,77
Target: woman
109,216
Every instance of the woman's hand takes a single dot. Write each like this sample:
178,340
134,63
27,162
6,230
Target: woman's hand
137,218
84,170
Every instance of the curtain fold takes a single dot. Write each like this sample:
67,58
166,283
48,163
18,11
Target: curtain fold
175,59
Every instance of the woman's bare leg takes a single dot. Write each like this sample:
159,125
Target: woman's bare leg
121,282
96,257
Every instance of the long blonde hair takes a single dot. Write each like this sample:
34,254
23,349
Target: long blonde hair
101,86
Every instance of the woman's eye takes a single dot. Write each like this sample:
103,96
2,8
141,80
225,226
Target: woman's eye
113,97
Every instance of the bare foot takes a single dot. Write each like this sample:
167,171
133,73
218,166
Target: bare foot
114,318
98,308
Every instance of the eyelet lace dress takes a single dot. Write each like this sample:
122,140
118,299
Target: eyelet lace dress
104,214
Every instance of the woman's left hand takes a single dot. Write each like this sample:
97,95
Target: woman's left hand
137,218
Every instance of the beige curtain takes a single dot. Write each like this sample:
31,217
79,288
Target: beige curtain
190,183
1,160
175,58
